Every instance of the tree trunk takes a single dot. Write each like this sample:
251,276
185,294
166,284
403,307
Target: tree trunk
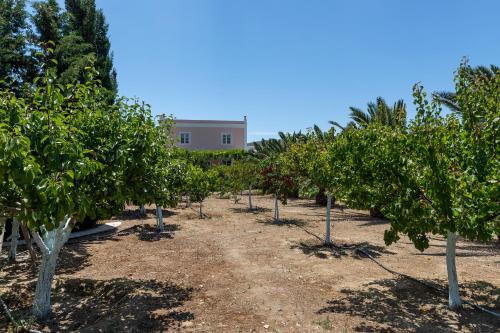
142,210
50,246
454,300
375,212
2,227
41,303
29,243
320,197
13,239
159,218
276,210
250,206
328,240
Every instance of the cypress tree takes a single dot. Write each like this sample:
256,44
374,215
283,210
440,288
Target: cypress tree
14,60
80,36
90,24
48,21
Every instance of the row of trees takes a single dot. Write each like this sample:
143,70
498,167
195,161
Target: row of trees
68,155
435,174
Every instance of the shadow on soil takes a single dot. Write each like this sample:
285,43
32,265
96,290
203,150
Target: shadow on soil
321,250
255,210
118,305
147,232
283,222
73,258
391,305
466,249
133,214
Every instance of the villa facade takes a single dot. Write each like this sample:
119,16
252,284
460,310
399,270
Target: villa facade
210,134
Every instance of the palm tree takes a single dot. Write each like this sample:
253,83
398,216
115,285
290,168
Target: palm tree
449,99
272,147
378,111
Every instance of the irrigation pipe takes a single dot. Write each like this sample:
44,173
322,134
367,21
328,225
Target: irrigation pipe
440,289
429,285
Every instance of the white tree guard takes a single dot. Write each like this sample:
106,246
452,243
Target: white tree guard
250,206
13,239
454,299
328,240
159,218
276,210
2,227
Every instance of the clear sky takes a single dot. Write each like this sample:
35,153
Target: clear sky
290,64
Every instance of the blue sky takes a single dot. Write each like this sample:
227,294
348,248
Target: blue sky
290,64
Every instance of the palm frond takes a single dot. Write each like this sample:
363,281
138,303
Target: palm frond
336,124
360,117
448,99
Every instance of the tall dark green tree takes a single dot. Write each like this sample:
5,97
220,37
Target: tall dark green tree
14,62
80,36
48,21
88,22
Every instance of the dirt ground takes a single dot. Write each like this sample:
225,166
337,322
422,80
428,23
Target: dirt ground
237,271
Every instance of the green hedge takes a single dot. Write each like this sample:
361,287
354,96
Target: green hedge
204,158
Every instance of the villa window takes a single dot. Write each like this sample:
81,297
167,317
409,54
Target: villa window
226,138
185,138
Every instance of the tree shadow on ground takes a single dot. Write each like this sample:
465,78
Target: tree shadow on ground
72,258
255,210
134,214
118,305
283,222
459,254
373,221
490,247
317,248
353,216
400,304
147,232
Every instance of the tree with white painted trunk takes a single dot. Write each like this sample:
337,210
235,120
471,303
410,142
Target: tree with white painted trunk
69,152
16,164
243,175
311,160
438,175
166,184
157,176
277,179
199,184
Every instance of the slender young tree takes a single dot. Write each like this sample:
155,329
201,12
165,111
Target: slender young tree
243,175
199,184
162,176
312,160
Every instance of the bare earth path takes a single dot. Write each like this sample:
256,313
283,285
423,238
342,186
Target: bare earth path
236,271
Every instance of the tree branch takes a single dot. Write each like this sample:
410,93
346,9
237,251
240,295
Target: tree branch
40,243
